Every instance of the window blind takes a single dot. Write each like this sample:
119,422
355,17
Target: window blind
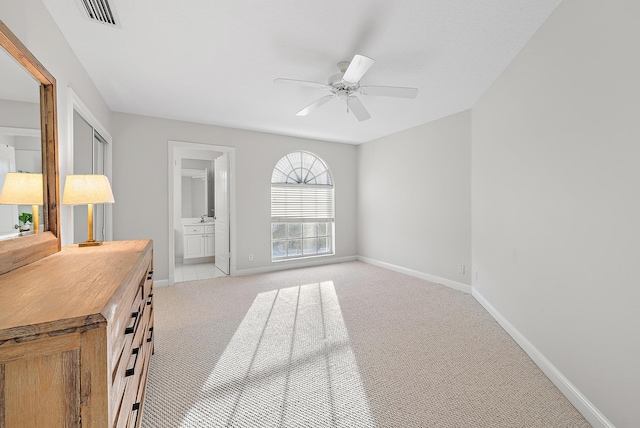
301,203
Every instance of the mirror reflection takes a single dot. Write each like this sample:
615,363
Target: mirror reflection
197,188
20,141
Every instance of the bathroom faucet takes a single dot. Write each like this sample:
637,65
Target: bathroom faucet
202,218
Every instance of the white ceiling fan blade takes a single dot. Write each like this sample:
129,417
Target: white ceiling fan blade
314,105
357,68
356,106
303,82
389,91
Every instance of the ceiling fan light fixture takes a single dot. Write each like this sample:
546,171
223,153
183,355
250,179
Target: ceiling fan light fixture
342,66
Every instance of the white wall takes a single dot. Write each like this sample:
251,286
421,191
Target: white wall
28,153
17,114
140,152
414,199
556,179
31,22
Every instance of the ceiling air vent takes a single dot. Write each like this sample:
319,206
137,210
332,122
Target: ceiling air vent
100,11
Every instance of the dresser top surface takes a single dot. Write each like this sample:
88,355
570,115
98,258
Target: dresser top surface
76,284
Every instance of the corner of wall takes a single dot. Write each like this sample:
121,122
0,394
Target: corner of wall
431,278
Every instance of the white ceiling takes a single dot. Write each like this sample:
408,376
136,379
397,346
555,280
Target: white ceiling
214,62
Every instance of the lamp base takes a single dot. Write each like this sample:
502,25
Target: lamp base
90,244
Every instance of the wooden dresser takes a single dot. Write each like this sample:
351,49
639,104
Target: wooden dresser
76,337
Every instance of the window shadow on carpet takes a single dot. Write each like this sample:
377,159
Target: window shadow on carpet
289,363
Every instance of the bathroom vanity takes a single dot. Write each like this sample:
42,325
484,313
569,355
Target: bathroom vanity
199,240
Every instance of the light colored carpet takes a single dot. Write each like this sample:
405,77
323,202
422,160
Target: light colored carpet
344,345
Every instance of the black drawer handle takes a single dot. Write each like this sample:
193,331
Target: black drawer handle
131,371
130,329
150,275
150,338
136,408
150,299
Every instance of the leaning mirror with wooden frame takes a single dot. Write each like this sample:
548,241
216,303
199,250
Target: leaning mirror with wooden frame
27,248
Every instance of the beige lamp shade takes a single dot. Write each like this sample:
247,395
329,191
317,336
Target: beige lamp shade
87,189
22,188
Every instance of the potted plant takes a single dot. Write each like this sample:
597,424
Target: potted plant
25,219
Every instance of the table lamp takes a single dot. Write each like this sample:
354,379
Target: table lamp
23,188
89,190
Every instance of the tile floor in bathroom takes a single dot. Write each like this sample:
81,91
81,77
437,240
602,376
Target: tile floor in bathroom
194,272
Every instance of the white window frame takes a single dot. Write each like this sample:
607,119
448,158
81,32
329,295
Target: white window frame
295,203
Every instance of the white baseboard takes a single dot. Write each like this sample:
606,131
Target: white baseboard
160,282
584,406
432,278
293,264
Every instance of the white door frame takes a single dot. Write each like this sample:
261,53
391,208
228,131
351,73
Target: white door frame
221,214
175,169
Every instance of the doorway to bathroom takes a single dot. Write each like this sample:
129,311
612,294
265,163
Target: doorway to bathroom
200,211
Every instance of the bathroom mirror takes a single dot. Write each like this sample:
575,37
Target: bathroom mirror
195,193
197,185
21,73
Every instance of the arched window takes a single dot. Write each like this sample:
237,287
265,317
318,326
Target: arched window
302,212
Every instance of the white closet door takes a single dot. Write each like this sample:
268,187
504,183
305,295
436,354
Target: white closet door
99,149
82,164
89,150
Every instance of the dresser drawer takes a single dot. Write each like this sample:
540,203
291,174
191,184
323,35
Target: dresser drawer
193,230
126,403
131,338
134,416
137,368
148,288
138,357
126,315
142,385
135,375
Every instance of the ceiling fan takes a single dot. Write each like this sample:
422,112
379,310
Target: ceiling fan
345,85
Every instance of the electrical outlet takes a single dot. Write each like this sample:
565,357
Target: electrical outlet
461,269
250,257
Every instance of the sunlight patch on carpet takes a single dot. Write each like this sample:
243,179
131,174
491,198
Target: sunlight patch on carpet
289,363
